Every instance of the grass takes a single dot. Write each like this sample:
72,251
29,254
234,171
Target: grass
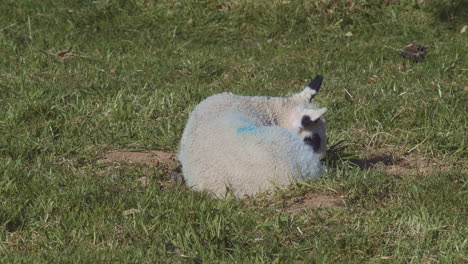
79,78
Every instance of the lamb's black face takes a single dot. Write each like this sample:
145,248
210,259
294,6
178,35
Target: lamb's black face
314,141
313,134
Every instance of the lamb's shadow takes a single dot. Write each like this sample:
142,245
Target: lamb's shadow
375,161
337,153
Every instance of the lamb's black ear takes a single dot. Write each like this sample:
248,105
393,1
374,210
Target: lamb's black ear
315,85
311,90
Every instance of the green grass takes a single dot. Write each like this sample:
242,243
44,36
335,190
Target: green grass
136,70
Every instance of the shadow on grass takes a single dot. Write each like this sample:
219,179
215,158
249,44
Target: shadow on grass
337,153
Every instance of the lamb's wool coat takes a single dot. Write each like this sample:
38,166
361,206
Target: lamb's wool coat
251,144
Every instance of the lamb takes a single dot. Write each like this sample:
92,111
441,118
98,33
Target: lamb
247,145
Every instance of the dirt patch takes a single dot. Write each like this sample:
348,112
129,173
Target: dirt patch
398,163
417,165
165,159
316,201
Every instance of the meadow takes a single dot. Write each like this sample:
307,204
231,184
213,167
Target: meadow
82,79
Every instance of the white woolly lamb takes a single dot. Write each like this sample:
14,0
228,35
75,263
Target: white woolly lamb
251,144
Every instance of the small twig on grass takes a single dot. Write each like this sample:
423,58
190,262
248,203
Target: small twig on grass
29,27
350,96
392,48
65,54
7,27
417,145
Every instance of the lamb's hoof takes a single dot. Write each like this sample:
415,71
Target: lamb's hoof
176,176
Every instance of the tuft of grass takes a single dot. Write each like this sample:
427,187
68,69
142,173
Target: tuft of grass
79,78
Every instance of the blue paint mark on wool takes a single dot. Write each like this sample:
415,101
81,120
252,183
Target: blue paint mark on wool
245,120
246,129
245,125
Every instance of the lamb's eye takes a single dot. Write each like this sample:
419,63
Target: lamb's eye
313,141
306,121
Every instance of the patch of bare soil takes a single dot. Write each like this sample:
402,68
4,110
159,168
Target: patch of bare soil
397,163
315,201
165,159
418,165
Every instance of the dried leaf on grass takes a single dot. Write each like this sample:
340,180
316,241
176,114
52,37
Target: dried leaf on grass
414,52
